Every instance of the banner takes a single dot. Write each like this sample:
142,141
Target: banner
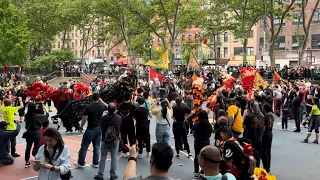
193,63
259,81
161,63
277,77
154,74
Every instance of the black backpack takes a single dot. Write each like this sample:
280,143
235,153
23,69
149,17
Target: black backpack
111,134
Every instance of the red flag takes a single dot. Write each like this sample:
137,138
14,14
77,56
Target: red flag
276,77
154,74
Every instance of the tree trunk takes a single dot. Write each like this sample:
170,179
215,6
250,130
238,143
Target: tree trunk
271,54
245,44
82,48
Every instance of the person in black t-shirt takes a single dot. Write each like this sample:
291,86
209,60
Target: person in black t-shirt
125,110
179,127
92,114
296,110
254,126
285,116
223,133
267,137
141,115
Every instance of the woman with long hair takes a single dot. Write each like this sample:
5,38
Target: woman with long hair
53,158
315,121
202,131
163,117
33,125
179,127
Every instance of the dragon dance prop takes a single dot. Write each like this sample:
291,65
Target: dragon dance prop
197,91
227,83
247,78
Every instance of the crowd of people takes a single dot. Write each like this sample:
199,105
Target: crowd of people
242,128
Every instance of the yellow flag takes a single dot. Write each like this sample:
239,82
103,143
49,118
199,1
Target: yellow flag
161,63
193,63
259,81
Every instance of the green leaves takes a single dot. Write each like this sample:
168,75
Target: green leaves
55,58
14,34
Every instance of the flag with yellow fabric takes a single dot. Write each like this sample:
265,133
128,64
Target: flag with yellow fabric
193,63
161,63
259,81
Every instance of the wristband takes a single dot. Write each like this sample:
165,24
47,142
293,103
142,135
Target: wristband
53,168
132,158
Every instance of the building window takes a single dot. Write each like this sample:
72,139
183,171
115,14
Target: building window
196,36
315,41
280,43
53,45
99,53
296,41
93,53
159,40
58,44
177,53
218,38
261,23
225,52
118,50
190,26
225,37
76,41
218,53
183,37
251,34
249,51
277,22
316,16
124,48
261,44
190,37
296,18
68,46
238,51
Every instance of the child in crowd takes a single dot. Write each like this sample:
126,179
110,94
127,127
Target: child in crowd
285,116
223,133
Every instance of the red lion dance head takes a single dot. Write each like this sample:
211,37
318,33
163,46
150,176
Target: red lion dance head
248,76
81,91
38,91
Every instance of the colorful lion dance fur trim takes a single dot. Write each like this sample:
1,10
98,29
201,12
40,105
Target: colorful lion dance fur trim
197,91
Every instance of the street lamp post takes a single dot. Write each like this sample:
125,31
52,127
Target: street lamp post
150,47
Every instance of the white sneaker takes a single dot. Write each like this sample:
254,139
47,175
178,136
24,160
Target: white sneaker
177,156
76,165
124,155
95,165
190,155
148,154
139,156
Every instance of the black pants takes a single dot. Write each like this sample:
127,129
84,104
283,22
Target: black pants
143,137
127,132
48,102
189,126
266,150
6,159
257,145
33,138
180,137
296,117
284,123
13,145
197,150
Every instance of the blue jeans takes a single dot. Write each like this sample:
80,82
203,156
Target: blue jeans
91,135
163,133
113,148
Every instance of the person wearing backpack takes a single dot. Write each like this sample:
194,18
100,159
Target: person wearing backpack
110,130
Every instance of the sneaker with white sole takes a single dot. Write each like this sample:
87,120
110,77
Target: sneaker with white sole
76,165
177,156
95,165
27,164
190,155
148,154
139,156
124,155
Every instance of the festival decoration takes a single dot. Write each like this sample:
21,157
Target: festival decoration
261,174
205,41
154,74
193,63
80,91
248,76
276,77
161,63
259,81
38,91
197,91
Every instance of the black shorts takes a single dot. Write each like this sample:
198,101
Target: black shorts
315,122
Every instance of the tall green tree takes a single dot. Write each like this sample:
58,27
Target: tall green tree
14,34
44,24
245,14
165,18
275,13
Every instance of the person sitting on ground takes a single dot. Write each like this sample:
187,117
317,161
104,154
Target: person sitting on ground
209,161
160,162
5,157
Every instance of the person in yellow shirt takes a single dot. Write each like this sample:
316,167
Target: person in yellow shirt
8,112
234,118
315,121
